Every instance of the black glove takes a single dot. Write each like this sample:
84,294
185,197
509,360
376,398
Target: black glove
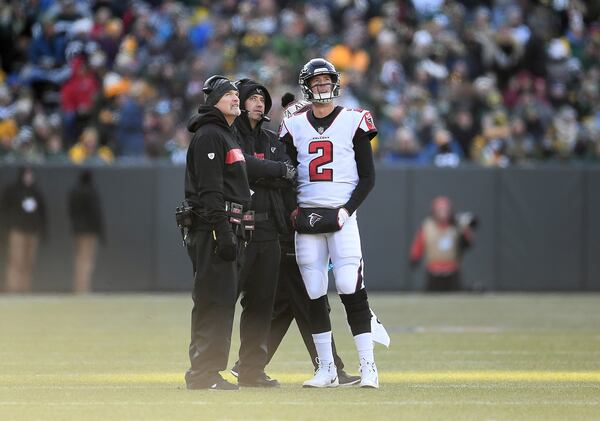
226,244
289,172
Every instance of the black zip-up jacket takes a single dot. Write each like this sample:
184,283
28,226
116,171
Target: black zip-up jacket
264,155
215,168
23,208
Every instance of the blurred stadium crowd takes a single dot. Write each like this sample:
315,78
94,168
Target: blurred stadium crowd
496,82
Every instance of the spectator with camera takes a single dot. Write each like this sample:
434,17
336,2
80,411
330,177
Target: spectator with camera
441,241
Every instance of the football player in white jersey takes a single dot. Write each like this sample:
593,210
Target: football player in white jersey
332,150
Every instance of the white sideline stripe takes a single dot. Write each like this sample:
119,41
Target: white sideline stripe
509,352
303,403
51,387
123,363
510,386
456,376
493,386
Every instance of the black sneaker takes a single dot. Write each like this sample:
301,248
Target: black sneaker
235,370
262,380
347,380
219,383
224,385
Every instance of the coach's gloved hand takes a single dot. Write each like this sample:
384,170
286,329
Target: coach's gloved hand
342,217
289,172
226,244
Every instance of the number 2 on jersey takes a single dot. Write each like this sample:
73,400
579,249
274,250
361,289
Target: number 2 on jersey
325,149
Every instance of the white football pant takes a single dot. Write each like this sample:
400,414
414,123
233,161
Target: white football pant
313,252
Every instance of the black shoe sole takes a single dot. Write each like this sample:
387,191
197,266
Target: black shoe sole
229,386
352,383
255,385
210,388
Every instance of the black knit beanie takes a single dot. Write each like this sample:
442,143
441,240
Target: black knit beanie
215,87
248,87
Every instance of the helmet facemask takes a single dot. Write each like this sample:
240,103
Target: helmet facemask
324,97
314,68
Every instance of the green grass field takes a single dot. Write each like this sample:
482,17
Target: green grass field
122,357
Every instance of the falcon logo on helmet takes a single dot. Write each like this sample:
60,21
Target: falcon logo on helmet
315,67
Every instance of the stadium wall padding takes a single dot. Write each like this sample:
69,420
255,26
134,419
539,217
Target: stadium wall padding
539,227
541,243
591,230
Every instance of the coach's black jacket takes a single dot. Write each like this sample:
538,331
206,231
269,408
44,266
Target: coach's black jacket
215,167
265,155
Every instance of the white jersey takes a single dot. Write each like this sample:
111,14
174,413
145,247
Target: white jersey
327,172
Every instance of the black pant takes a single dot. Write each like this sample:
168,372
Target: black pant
292,302
258,284
214,295
444,282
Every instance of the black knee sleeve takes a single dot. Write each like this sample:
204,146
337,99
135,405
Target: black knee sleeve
319,315
357,311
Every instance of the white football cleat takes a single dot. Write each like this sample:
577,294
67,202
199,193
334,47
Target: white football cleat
368,374
325,376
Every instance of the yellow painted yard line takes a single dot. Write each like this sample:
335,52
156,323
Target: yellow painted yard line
158,378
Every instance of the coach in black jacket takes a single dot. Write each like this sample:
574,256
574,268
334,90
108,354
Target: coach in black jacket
267,173
215,177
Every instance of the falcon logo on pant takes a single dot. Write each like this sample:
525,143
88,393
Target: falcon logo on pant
313,218
211,155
